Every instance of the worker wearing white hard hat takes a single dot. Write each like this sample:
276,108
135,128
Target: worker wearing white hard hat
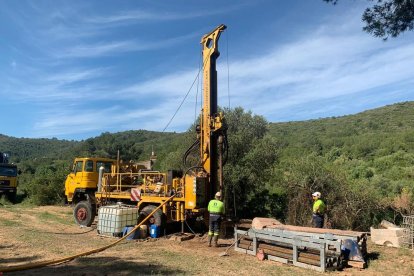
216,210
319,207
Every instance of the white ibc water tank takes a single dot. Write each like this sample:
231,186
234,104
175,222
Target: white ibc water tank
112,219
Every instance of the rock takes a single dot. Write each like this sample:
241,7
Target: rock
260,223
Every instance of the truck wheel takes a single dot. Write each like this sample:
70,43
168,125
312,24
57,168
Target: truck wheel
156,218
84,213
12,197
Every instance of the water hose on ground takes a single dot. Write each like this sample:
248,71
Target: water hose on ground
65,259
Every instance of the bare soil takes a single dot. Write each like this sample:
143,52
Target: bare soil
35,234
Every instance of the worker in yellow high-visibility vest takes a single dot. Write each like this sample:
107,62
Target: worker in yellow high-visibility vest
216,210
318,210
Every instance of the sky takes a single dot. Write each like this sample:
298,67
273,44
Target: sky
75,69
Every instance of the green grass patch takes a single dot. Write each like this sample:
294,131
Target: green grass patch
49,217
4,202
9,223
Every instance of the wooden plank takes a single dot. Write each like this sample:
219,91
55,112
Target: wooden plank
357,264
260,223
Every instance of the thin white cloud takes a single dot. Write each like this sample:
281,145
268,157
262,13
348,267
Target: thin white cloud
67,122
31,85
76,75
171,85
100,49
119,47
133,16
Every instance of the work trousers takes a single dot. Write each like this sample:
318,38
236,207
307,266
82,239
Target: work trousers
318,220
214,225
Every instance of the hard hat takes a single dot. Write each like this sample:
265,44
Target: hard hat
316,194
218,194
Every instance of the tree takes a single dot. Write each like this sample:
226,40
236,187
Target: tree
387,17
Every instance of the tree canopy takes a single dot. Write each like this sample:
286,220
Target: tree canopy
387,18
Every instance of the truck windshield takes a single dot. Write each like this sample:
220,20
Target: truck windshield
8,171
106,165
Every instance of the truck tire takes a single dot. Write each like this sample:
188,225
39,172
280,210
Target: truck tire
157,218
84,213
12,197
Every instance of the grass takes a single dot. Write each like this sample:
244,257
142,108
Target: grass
10,223
49,217
33,229
4,202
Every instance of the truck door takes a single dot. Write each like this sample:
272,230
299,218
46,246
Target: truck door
90,177
78,171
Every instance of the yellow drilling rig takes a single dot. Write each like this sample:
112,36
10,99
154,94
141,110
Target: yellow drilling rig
192,189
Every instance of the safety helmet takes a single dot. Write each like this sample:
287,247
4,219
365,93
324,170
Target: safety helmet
218,194
317,194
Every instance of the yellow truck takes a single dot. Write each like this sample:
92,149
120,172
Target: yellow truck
8,177
81,185
191,189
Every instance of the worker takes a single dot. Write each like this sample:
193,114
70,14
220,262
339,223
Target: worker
319,208
216,210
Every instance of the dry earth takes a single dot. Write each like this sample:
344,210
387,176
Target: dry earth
33,234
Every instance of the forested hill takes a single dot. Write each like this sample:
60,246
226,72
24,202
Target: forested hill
136,145
363,164
22,149
368,135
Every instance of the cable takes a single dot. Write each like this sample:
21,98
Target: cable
65,259
60,233
228,68
198,82
186,95
189,150
235,241
186,223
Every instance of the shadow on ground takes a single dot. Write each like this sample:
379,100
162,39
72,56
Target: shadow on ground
372,256
18,260
103,266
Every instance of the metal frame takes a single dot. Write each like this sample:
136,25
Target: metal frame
408,225
320,242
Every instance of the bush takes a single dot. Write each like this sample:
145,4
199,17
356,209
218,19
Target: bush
47,185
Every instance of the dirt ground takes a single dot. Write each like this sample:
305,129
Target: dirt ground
35,234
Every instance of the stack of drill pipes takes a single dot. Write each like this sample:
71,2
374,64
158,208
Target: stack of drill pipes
284,255
329,251
311,253
312,258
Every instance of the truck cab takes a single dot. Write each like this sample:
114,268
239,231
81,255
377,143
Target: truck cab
81,185
8,180
82,181
8,177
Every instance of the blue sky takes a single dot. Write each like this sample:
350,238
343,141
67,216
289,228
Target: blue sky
75,69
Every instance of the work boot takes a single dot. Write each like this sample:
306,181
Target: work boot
215,240
209,240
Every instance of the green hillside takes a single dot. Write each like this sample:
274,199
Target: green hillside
367,135
22,149
363,164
